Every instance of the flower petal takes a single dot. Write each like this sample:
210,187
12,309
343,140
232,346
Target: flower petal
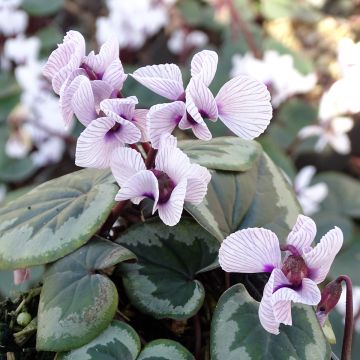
244,106
302,234
163,119
21,275
199,178
203,66
140,120
340,143
321,257
127,133
125,163
164,79
311,130
124,107
114,75
304,177
250,250
101,90
170,212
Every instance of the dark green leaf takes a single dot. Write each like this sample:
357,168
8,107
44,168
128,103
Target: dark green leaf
41,7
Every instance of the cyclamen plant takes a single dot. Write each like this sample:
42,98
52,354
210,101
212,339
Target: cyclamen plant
204,190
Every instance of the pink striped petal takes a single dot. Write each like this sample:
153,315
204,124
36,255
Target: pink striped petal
164,79
321,257
83,102
67,92
60,57
21,275
101,91
140,186
199,178
114,75
140,120
109,52
266,312
163,119
250,250
244,106
168,140
170,212
128,133
124,107
203,99
308,293
302,234
203,66
125,163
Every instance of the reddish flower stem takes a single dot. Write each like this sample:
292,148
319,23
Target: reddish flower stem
150,159
135,147
115,213
146,146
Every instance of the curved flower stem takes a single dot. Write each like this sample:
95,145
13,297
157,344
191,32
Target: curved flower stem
146,146
136,147
150,159
115,213
349,319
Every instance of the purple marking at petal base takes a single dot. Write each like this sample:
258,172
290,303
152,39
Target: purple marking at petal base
269,268
178,119
110,135
204,114
149,195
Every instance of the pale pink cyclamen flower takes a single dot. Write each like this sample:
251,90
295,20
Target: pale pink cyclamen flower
21,275
121,124
295,278
68,62
242,104
172,181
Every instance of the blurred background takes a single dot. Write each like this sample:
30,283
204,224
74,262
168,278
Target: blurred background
305,51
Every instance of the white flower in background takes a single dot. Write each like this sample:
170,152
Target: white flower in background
349,57
341,305
181,40
133,21
12,20
277,72
309,196
22,50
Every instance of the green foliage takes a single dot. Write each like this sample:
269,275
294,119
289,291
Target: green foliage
162,283
55,218
77,302
41,7
236,332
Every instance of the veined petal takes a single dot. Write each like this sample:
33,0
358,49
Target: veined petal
308,293
83,102
250,250
124,107
114,75
244,106
302,234
101,90
140,186
203,66
170,212
266,313
125,163
168,140
140,120
163,119
199,178
127,133
21,275
94,146
164,79
321,257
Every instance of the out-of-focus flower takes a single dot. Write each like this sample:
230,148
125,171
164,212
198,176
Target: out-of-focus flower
341,305
21,275
12,20
133,21
310,197
349,57
22,50
277,72
181,40
242,104
172,181
295,278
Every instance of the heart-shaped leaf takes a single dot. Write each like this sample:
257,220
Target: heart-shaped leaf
41,7
162,283
222,153
55,218
259,197
77,303
118,341
236,332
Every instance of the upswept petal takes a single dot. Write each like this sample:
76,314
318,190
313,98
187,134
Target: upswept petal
140,186
140,120
340,143
125,163
244,106
109,51
128,132
170,212
67,92
101,90
203,99
83,102
266,313
124,107
168,140
94,147
114,75
164,79
163,119
203,66
250,250
198,180
311,130
302,234
21,275
321,257
73,41
304,177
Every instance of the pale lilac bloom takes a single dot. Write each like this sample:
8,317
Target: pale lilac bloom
21,275
172,181
242,104
12,20
182,40
256,250
121,124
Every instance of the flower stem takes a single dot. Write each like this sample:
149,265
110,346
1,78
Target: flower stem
150,159
197,327
349,319
115,213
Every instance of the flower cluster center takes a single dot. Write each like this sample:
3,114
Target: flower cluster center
166,185
295,269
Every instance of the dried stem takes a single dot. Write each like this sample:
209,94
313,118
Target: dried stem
197,327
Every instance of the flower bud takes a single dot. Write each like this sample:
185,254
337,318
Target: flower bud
23,319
